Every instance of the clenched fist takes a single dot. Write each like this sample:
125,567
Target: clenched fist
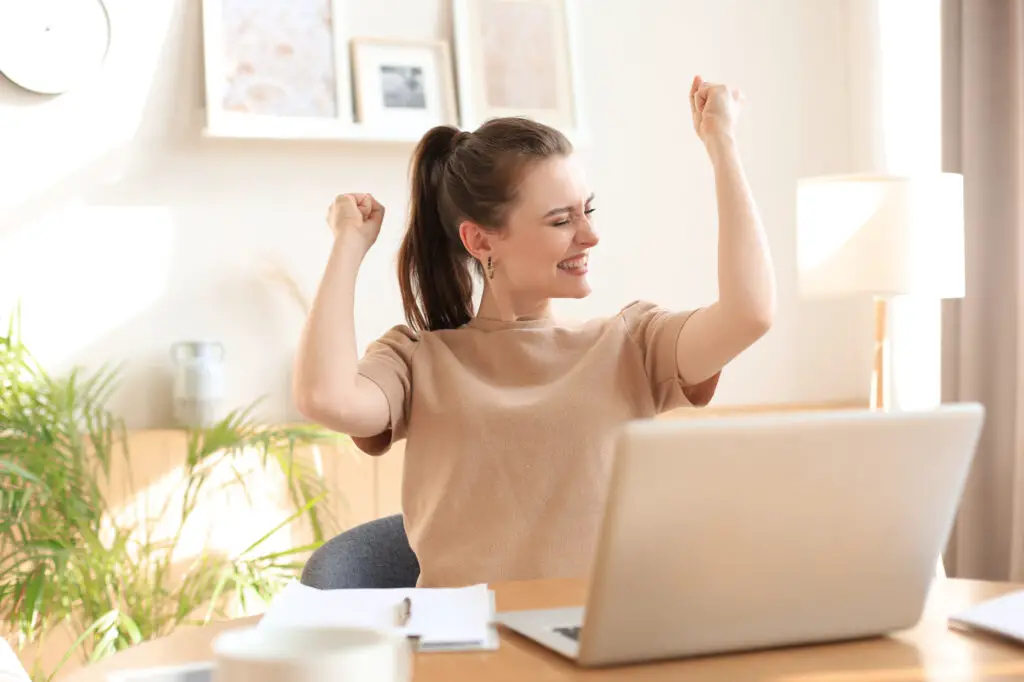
356,215
715,108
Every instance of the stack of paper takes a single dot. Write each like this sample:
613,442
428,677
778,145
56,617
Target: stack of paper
444,619
1003,616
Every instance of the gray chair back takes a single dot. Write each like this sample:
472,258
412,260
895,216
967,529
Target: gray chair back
375,554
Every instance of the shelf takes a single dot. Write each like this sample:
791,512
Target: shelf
251,127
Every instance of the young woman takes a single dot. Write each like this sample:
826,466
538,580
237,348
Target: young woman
508,415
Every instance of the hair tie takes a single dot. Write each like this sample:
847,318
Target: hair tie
459,138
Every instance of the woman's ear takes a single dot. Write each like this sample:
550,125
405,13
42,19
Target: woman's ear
476,240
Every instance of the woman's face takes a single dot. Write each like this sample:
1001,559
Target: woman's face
542,252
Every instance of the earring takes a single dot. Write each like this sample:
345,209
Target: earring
490,268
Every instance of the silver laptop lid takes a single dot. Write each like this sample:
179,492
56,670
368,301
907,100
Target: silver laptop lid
733,533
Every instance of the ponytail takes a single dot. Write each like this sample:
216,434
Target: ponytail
436,284
460,176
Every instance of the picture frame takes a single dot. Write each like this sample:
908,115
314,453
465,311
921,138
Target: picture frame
403,87
275,70
520,58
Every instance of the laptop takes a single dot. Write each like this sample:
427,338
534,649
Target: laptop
729,534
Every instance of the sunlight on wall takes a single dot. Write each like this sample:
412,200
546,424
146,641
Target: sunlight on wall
910,39
222,499
910,45
82,271
60,137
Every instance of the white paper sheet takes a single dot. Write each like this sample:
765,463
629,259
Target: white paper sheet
443,618
11,669
1002,616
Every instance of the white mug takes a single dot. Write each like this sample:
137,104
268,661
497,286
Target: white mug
313,654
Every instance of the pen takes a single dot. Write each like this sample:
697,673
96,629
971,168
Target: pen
404,612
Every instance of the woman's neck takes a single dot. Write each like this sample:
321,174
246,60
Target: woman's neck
493,307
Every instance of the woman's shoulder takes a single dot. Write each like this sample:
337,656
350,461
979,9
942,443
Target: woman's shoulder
638,308
626,318
640,314
405,339
401,333
401,340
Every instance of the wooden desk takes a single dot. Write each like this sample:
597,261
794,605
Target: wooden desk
928,652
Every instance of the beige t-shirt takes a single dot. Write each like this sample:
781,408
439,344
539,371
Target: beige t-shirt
509,429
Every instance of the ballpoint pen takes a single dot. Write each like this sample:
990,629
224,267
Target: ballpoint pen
404,613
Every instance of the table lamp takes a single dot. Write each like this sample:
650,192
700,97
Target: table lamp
881,236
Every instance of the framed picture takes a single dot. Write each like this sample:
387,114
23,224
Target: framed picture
274,66
519,58
403,86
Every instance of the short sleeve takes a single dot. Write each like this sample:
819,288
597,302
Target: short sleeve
656,331
388,363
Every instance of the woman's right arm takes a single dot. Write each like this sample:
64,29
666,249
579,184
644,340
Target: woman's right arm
327,386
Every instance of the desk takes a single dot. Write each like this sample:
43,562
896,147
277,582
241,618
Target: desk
930,651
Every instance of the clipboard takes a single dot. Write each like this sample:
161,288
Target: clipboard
1002,616
441,619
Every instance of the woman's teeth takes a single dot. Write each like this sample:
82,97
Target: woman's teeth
571,264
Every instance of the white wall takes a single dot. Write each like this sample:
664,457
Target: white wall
123,231
908,52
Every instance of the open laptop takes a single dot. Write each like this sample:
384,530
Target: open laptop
739,533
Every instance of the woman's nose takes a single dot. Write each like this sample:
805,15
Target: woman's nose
586,236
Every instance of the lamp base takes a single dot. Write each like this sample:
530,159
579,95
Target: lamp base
881,391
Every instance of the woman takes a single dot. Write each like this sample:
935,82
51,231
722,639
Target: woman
509,416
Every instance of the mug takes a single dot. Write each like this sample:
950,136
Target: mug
313,654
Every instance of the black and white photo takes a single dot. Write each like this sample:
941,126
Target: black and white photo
403,86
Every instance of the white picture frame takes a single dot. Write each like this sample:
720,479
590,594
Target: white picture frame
251,93
223,55
520,58
403,87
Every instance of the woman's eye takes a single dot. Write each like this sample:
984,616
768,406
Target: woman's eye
566,221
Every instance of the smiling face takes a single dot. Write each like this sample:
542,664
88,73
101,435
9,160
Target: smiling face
542,252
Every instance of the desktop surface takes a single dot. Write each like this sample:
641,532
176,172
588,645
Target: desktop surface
929,651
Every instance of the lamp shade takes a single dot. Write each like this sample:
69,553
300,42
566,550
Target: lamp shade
881,235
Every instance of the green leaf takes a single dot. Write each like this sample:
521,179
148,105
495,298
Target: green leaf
68,559
100,625
299,512
13,468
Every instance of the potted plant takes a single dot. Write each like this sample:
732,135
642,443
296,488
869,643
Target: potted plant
72,560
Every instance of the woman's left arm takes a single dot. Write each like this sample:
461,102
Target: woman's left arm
745,308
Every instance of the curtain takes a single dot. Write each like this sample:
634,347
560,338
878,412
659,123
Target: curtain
983,333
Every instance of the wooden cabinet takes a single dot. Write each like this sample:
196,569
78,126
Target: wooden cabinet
361,488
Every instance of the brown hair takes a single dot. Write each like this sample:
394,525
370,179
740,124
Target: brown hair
459,176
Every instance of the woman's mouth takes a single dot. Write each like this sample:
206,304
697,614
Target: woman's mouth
577,265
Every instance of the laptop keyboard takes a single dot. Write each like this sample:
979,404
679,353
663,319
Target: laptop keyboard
572,633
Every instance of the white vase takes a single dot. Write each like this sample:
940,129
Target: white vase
199,382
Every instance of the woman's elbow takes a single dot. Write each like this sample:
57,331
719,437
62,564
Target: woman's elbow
755,323
318,405
342,411
761,322
749,318
310,404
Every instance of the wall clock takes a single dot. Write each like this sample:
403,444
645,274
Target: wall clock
49,46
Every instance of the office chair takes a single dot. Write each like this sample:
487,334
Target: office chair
375,554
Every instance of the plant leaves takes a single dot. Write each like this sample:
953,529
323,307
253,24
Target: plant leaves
67,557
